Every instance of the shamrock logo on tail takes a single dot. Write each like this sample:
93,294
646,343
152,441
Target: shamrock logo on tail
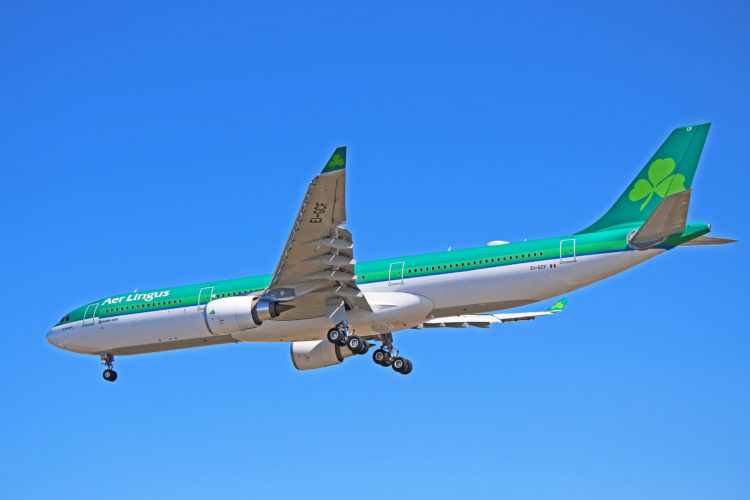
335,161
659,181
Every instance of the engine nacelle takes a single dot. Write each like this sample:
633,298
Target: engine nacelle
231,314
312,354
234,314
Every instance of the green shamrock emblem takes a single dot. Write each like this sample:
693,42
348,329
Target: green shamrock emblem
558,305
335,161
659,181
212,312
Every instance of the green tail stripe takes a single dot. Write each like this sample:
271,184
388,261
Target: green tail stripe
337,161
559,305
669,171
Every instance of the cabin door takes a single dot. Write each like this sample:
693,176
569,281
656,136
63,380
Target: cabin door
89,314
205,296
396,273
567,251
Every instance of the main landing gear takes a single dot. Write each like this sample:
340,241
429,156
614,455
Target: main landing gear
387,355
109,374
339,335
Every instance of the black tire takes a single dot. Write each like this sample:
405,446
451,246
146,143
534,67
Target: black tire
354,344
399,364
379,356
109,375
409,366
334,336
365,347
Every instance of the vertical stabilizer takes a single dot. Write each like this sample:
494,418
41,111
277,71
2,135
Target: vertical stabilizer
669,171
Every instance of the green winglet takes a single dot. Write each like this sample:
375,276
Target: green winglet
337,161
559,305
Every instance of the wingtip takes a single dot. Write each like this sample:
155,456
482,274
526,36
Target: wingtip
559,305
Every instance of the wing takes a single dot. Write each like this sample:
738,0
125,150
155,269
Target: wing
315,273
487,320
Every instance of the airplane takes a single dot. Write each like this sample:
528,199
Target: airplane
330,307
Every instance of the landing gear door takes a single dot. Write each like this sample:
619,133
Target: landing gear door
567,251
396,273
89,314
205,296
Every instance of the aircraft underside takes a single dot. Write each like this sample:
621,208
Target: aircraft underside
396,306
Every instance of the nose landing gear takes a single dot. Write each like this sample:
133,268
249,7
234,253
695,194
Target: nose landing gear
109,374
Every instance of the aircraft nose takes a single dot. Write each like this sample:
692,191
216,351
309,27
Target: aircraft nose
55,338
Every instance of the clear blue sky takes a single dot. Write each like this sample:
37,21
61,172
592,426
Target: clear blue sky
151,144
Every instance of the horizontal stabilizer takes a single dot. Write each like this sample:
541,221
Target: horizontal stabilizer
668,218
707,240
487,320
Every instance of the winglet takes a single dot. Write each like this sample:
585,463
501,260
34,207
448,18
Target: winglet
559,305
337,161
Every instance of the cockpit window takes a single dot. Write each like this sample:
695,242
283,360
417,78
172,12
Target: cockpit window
65,319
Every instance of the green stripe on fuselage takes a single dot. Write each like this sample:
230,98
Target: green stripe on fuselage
430,264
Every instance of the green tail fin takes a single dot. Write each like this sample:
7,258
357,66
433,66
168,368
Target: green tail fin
337,161
669,171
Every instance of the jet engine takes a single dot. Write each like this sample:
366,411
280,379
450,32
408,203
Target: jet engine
312,354
233,314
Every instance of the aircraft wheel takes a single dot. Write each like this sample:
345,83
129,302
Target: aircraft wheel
409,366
354,344
399,364
109,375
335,336
379,356
365,347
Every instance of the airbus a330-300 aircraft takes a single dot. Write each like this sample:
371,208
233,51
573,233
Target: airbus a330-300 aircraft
330,307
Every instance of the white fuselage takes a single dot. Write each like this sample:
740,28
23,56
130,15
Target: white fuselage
397,305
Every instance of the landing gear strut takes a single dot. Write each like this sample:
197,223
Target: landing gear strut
387,355
109,374
339,334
